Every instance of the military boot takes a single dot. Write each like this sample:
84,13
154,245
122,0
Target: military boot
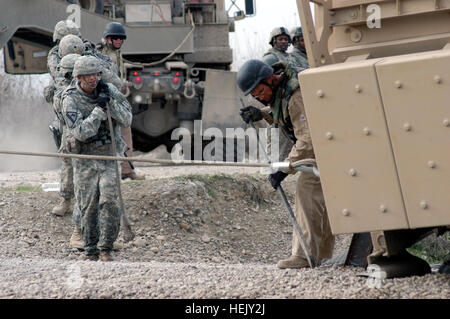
76,241
63,207
105,255
133,176
293,262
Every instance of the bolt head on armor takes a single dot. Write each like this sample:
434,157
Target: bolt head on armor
86,65
277,32
65,27
70,44
251,74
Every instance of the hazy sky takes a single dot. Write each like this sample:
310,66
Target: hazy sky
250,39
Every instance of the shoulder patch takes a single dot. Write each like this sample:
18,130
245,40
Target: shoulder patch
302,117
71,118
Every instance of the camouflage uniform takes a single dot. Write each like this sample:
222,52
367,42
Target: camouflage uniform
275,55
310,210
95,184
298,59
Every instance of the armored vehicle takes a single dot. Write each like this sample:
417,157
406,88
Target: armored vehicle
176,58
377,102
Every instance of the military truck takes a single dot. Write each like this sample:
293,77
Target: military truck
176,57
377,102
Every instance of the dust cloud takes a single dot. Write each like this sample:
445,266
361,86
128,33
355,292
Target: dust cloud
24,120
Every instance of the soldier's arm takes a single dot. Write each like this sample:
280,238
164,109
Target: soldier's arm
267,115
270,59
120,107
53,61
81,128
303,147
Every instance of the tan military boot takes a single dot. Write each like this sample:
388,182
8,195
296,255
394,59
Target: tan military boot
293,262
106,256
133,176
63,207
76,241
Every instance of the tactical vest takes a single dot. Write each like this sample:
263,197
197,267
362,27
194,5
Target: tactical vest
103,135
287,86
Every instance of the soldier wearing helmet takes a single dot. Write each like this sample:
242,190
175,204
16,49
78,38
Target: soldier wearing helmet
279,40
62,28
85,103
298,57
65,68
114,36
281,91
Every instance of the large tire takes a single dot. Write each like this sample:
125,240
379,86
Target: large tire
96,6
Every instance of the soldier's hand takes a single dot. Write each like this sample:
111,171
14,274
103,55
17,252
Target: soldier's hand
251,113
103,100
103,87
276,178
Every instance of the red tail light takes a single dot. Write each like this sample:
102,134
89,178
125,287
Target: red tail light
137,79
135,73
175,80
156,73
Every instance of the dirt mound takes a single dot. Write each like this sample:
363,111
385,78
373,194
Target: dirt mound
195,218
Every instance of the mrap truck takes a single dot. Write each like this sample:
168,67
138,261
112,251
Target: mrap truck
377,100
176,58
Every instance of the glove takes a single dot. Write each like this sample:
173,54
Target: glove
103,100
103,87
251,113
276,178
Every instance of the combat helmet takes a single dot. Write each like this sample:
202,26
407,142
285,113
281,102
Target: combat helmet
251,74
278,31
296,32
114,29
87,64
65,27
67,63
70,44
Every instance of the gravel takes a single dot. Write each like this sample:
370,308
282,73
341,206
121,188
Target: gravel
214,233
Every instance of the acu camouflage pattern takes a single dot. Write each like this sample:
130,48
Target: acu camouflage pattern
299,60
95,180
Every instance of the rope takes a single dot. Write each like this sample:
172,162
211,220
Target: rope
173,52
136,159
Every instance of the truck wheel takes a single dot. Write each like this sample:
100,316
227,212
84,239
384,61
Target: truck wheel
96,6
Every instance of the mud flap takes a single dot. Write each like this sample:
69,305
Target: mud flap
360,248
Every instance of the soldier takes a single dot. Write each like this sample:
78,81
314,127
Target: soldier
85,104
65,69
280,41
278,57
62,28
113,38
69,44
282,91
298,57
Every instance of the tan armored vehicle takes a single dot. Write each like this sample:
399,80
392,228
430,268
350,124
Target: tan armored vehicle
377,101
176,58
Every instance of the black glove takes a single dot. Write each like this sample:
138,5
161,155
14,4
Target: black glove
251,113
103,100
276,178
102,87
